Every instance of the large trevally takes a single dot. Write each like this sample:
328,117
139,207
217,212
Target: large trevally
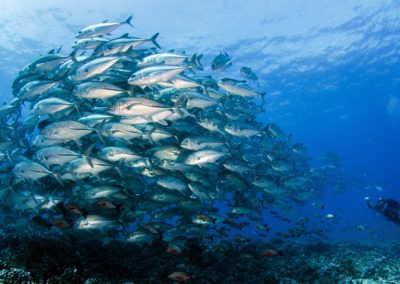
101,29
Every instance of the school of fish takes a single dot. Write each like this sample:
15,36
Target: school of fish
119,138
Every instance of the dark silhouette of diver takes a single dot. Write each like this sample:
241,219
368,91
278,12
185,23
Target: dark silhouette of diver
390,208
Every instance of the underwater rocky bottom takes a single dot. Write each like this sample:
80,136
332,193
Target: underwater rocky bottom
43,260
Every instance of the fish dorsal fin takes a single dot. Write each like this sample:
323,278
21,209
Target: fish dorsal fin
126,35
59,49
105,21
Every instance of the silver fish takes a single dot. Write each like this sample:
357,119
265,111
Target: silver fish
201,143
51,106
97,90
29,170
101,29
66,130
94,67
204,156
55,155
153,75
117,153
35,88
239,88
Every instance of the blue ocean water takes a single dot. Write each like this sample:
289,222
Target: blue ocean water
331,71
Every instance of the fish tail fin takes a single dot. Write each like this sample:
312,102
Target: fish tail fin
59,49
179,105
77,107
128,21
195,62
149,136
205,90
266,129
57,176
78,110
8,155
263,98
154,40
87,153
98,128
119,170
72,55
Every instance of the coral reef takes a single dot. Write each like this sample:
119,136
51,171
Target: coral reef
41,260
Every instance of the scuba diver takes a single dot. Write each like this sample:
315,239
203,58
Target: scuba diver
390,208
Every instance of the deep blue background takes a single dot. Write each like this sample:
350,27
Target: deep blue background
354,120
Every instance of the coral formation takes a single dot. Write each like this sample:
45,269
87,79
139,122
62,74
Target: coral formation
49,261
